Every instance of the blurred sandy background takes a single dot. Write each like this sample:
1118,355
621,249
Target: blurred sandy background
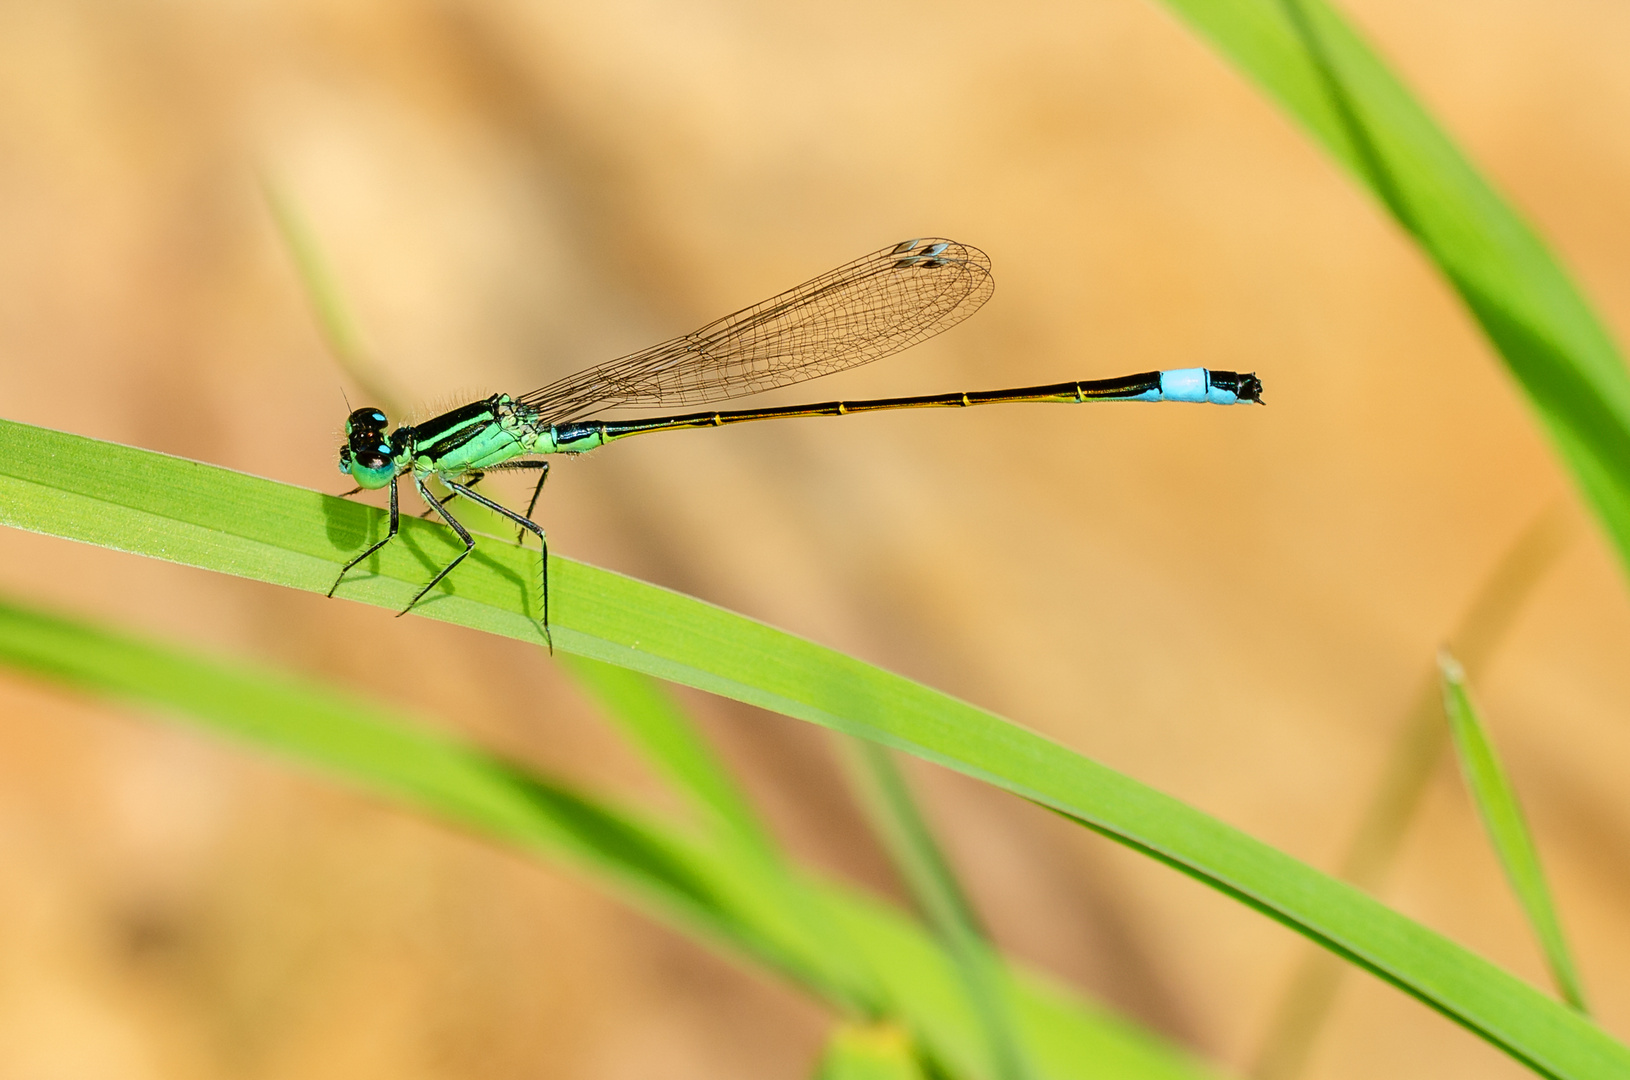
1234,606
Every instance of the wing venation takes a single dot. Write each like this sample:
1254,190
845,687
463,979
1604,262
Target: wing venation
864,310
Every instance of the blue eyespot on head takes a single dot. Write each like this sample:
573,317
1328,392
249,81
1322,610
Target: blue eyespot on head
367,455
361,420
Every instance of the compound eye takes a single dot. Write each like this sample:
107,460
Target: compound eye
365,420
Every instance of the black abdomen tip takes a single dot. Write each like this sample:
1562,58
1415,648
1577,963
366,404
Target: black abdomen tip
1250,388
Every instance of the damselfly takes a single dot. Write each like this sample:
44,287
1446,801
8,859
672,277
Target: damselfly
862,311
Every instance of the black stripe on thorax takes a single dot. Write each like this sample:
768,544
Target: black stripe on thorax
445,433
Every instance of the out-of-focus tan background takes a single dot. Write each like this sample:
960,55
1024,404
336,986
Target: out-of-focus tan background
1235,606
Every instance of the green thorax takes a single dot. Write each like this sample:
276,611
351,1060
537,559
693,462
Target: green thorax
470,438
483,435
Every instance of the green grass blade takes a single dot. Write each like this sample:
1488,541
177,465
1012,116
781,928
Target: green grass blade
352,738
869,1052
192,513
896,817
1310,60
1497,804
707,890
1310,994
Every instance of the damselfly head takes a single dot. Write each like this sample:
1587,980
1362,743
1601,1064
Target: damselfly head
369,419
367,454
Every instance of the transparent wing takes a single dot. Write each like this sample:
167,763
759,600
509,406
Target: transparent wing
862,311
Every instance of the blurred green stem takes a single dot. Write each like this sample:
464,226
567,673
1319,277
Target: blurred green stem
918,857
1308,998
653,719
339,330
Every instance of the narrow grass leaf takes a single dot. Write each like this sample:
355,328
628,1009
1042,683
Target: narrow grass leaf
187,512
1321,71
353,738
707,890
897,818
1497,804
869,1052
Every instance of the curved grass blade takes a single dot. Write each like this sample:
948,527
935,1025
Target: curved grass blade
205,516
1497,805
351,737
1310,60
708,890
896,817
869,1052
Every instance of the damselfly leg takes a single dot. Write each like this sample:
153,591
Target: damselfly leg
475,478
525,523
395,520
453,522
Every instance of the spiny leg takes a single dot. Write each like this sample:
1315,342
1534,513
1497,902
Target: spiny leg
543,468
475,478
463,533
526,523
390,535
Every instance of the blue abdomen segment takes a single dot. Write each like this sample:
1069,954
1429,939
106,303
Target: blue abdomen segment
1194,385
